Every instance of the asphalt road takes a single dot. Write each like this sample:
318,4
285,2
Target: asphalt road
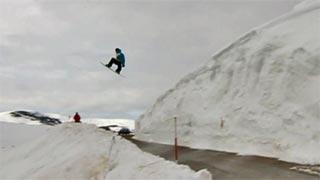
224,165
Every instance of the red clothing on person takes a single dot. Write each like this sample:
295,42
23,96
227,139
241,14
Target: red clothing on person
77,118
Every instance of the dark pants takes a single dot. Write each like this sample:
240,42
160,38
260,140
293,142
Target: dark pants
115,61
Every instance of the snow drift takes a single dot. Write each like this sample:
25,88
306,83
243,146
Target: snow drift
260,95
82,151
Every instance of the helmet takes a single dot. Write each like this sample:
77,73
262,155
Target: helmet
118,50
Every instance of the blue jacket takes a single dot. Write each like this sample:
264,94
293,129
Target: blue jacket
121,58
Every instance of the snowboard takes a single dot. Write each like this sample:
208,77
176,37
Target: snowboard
112,70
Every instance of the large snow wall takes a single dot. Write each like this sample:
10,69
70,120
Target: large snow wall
260,95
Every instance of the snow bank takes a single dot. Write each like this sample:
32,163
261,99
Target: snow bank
260,95
82,151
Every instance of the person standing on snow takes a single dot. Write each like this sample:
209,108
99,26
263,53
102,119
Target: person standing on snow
119,60
77,118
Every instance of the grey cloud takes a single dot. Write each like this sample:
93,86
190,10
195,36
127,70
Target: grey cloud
50,51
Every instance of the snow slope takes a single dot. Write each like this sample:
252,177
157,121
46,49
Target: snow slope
7,117
83,151
260,95
13,135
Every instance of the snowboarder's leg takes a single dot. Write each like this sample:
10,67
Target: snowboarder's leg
119,67
111,62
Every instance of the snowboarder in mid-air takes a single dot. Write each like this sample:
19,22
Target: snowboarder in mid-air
119,60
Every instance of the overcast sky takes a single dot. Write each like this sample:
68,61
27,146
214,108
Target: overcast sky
50,49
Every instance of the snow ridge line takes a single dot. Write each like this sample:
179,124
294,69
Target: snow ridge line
294,13
241,40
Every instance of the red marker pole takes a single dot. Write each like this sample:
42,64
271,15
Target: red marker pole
175,140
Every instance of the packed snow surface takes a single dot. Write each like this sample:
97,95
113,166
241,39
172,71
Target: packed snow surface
260,95
81,151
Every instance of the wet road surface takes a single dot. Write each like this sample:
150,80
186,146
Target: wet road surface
223,165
